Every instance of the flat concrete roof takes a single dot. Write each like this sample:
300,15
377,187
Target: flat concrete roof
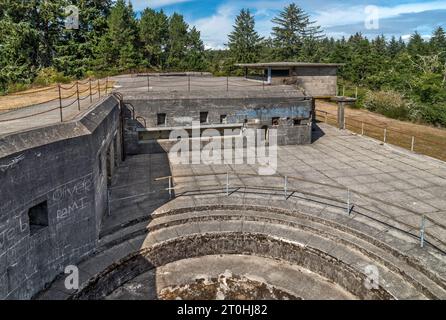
287,64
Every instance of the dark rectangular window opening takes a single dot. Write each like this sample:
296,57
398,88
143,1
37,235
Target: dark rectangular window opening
297,122
275,121
161,119
204,117
38,217
224,119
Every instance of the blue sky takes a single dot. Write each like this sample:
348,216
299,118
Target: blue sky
214,18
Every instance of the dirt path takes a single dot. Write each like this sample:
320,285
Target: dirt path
409,128
39,96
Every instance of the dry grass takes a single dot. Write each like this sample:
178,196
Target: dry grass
41,95
429,140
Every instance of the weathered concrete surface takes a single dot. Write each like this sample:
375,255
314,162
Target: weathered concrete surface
13,121
135,191
336,160
210,277
196,245
317,81
400,185
65,166
249,109
128,84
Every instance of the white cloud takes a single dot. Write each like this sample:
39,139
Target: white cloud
215,28
342,15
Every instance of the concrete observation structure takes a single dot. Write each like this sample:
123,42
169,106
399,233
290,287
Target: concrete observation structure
291,113
315,79
340,218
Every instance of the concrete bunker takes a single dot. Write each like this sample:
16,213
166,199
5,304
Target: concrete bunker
290,112
72,166
316,79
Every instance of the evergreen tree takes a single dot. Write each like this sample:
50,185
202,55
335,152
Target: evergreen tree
177,44
75,53
244,42
438,42
45,18
292,29
195,56
18,57
118,48
154,35
417,45
395,47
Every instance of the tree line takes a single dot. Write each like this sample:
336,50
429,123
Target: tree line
401,79
35,45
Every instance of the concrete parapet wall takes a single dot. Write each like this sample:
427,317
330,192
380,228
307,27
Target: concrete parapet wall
182,111
315,81
62,171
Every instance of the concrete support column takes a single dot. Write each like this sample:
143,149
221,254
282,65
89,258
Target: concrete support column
342,102
270,76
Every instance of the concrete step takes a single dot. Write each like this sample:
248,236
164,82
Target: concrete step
378,230
192,222
393,283
384,256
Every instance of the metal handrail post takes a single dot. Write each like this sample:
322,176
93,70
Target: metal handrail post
422,233
60,103
78,98
227,184
285,187
91,98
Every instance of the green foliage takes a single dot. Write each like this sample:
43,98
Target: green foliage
195,57
294,34
76,49
154,35
36,49
389,103
177,44
18,42
117,49
47,76
433,114
244,42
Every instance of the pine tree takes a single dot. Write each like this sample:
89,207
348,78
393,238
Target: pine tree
195,55
45,18
417,45
118,48
438,42
244,42
292,29
75,53
154,34
18,57
395,47
177,44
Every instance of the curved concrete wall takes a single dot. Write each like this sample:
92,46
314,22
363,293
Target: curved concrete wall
228,243
60,173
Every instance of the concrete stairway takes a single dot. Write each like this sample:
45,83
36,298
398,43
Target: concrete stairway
323,239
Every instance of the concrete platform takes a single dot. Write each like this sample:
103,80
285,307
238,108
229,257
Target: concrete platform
382,229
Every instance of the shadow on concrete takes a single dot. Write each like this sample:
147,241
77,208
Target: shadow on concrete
135,192
116,283
317,133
